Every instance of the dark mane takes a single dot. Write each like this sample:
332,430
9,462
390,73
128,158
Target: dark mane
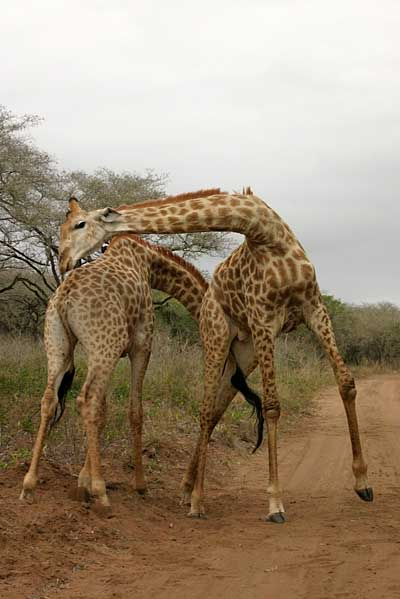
188,266
202,193
164,251
131,237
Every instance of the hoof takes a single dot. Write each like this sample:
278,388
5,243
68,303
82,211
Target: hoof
80,494
366,494
186,498
27,496
197,515
141,490
277,518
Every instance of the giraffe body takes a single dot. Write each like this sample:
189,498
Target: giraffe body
265,287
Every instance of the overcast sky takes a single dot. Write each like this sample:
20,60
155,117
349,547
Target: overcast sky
299,99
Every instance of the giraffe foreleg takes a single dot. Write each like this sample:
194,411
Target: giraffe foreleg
320,323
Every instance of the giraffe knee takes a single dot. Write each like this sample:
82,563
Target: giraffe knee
272,415
272,410
347,388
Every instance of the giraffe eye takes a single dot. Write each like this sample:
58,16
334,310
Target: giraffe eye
80,225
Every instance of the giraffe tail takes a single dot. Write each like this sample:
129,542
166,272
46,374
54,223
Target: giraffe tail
238,380
62,395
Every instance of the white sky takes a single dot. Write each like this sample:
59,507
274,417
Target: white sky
298,98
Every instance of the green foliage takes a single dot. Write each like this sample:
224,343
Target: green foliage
335,306
172,315
375,335
105,187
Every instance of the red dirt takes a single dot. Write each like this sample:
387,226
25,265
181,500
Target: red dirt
333,545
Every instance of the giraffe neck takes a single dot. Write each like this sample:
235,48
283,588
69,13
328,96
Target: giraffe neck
167,272
246,214
178,278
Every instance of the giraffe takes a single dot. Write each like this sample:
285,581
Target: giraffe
107,306
265,287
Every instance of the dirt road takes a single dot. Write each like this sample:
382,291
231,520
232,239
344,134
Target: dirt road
333,545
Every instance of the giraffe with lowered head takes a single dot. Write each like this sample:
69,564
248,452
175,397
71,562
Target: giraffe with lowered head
265,287
107,306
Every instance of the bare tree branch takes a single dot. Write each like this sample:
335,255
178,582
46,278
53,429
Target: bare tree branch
162,302
11,285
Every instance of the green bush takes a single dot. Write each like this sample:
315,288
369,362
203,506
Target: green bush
368,333
173,316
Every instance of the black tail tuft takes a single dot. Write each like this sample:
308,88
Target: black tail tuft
238,380
62,395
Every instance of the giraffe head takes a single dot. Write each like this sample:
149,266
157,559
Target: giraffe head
83,232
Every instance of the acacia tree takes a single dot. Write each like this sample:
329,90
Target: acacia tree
29,184
33,201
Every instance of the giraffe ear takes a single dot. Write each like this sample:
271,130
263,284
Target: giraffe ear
108,215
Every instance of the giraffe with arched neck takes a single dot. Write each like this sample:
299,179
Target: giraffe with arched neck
265,287
107,307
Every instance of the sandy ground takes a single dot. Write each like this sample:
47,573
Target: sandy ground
333,544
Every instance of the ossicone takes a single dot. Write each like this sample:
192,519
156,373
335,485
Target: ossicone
73,205
247,191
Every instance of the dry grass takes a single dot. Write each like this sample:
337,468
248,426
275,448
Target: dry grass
171,396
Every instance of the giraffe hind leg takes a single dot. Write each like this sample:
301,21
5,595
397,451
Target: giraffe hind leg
90,480
264,341
240,358
91,401
59,348
83,491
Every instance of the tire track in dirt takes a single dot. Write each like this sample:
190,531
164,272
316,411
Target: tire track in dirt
333,545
